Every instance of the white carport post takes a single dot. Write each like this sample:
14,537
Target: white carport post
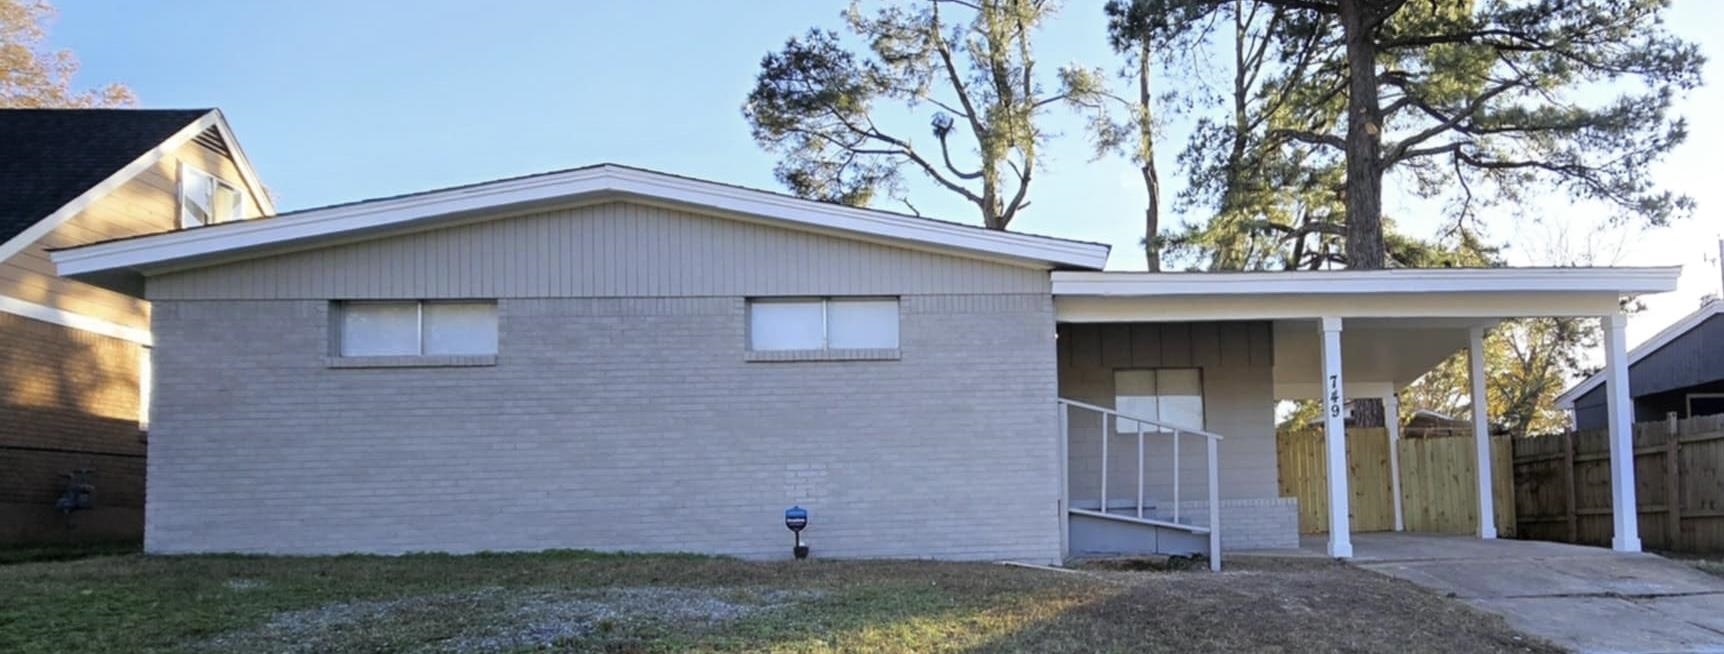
1335,440
1481,432
1620,409
1392,419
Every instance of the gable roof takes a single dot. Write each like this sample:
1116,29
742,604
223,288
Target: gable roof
1662,338
311,227
54,161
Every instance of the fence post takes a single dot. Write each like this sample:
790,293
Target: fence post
1672,483
1572,493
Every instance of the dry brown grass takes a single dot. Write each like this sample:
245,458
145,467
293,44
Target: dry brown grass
579,601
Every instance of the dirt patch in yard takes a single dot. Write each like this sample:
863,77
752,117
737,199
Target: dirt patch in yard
1269,605
503,620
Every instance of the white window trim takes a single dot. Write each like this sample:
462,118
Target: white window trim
825,329
336,359
180,219
146,386
1688,401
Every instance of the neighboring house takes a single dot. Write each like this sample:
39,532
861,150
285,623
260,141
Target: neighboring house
1425,422
74,357
619,359
1680,370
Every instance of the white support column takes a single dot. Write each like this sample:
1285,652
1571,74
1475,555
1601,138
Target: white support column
1335,440
1620,409
1481,432
1392,419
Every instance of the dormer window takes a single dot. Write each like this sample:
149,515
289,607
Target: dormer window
206,200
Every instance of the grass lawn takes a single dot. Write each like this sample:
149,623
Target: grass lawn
621,603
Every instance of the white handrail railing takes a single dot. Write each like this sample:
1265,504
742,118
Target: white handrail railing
1211,442
1146,421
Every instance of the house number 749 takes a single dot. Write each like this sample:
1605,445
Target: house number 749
1334,396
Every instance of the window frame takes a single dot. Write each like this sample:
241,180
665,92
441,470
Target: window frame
1203,405
1689,398
146,388
338,322
215,181
826,303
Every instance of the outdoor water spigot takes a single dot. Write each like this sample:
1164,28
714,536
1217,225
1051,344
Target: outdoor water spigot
796,519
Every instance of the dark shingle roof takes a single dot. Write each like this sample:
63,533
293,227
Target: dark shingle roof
50,156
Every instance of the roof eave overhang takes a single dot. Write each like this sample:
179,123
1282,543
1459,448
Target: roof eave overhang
1497,293
255,238
1621,281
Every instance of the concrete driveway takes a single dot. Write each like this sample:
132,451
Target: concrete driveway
1587,599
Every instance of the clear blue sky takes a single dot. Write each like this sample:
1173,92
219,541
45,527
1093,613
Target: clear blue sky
336,101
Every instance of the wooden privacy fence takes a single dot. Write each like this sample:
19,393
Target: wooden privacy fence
1438,487
1562,485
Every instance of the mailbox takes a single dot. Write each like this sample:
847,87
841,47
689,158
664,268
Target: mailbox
796,519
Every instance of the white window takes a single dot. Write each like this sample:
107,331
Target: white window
427,328
146,386
206,200
1172,396
823,324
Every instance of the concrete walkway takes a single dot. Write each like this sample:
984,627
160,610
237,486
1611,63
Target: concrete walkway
1587,599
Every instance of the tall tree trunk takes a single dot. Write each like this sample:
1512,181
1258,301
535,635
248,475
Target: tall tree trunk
1364,248
1151,179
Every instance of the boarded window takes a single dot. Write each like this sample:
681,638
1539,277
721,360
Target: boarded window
1171,396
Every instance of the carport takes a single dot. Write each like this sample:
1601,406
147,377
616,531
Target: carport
1340,335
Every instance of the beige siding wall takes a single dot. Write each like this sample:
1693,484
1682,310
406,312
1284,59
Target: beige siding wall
1236,359
148,203
609,250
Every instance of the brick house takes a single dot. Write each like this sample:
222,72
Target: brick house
74,357
620,359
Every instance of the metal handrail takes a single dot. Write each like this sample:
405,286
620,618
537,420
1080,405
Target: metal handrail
1211,454
1146,421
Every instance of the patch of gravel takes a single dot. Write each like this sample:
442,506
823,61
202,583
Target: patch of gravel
498,619
241,584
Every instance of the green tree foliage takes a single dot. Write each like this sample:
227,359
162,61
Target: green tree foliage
1136,41
818,103
1474,103
32,77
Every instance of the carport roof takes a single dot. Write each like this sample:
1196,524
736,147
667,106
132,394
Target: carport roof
1397,324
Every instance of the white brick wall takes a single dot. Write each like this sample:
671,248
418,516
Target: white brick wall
612,424
1247,524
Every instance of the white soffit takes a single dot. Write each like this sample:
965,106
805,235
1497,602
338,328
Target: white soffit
306,228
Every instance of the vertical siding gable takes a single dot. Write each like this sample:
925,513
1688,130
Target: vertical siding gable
617,249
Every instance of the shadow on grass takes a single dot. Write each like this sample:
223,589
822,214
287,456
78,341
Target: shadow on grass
49,552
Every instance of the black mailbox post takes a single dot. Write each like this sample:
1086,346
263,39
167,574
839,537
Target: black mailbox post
796,519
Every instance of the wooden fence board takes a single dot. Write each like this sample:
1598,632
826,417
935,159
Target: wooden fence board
1438,489
1562,485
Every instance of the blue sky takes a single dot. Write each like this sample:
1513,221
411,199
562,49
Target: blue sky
336,101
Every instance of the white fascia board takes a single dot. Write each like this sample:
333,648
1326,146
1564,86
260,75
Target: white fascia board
1627,281
1246,306
253,183
1657,342
387,214
73,320
78,204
